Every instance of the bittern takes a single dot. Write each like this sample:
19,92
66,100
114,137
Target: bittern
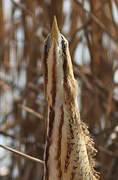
69,149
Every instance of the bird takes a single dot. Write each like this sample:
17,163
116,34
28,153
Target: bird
69,149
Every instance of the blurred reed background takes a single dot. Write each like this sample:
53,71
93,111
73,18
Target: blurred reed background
91,28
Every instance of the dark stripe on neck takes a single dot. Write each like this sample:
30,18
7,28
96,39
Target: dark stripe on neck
53,91
64,61
45,69
70,135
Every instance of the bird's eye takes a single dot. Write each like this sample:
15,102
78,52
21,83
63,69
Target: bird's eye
62,40
63,43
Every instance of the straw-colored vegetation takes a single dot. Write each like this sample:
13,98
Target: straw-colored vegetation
91,28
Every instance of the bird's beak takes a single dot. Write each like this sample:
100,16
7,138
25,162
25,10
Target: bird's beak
55,31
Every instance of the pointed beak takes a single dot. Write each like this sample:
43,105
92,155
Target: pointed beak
55,31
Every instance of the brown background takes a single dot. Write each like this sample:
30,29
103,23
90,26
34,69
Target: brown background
92,31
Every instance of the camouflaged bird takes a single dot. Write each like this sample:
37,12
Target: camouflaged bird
69,148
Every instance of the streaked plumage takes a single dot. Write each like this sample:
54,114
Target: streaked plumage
68,149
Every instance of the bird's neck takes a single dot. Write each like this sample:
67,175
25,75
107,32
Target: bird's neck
67,155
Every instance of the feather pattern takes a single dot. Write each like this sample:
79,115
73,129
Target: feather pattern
69,148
